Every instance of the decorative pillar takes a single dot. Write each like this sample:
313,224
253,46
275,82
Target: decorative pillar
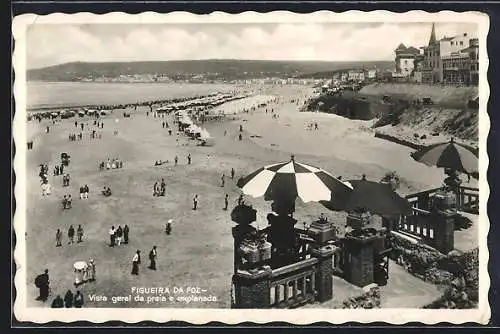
444,230
324,272
252,288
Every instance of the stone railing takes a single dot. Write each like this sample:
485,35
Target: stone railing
305,281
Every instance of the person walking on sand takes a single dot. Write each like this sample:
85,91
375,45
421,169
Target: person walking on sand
126,231
58,238
176,160
189,159
226,202
78,300
79,234
71,235
42,282
112,237
222,180
136,260
152,258
232,173
91,271
119,233
57,302
195,202
68,299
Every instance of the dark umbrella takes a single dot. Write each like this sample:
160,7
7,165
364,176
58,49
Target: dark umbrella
375,197
452,155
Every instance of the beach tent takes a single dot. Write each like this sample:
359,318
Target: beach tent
81,113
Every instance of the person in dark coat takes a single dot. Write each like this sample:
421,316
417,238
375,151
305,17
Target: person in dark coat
152,258
78,300
57,302
119,234
226,202
232,173
43,285
162,187
195,202
79,233
135,263
71,234
68,299
58,238
126,231
189,159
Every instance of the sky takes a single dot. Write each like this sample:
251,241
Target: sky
49,45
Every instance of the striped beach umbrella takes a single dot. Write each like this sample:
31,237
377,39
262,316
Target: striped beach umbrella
452,155
292,179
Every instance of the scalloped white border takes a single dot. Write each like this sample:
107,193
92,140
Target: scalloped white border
203,316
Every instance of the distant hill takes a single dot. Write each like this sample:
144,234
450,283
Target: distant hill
210,69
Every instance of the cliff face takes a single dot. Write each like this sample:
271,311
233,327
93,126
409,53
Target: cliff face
396,109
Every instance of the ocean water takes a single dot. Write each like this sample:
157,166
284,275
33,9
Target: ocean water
70,94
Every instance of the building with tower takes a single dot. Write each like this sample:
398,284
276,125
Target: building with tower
448,60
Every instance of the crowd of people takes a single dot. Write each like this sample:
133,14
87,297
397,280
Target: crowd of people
117,236
114,163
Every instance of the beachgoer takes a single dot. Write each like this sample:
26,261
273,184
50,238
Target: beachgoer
57,302
79,233
78,300
71,234
119,233
42,282
189,159
136,260
226,202
112,237
223,180
126,231
232,173
91,270
68,299
152,258
58,238
195,202
162,187
240,200
176,160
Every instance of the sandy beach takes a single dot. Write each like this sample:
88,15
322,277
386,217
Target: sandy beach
200,250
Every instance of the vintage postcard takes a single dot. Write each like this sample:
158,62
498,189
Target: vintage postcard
251,167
